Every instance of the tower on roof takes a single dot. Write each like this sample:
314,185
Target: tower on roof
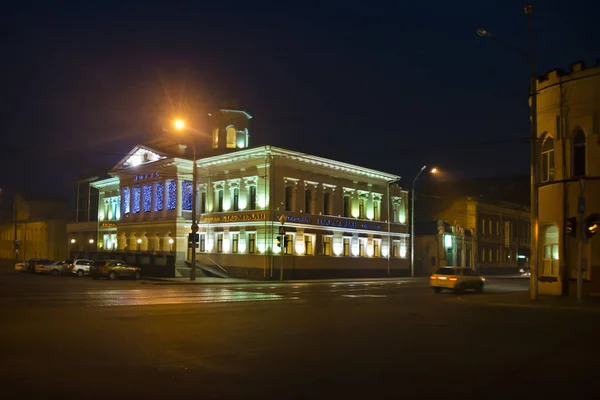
230,129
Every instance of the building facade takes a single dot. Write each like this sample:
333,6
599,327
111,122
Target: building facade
340,219
490,237
568,149
37,229
83,230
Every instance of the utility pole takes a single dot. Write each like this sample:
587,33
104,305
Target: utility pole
195,226
282,219
581,236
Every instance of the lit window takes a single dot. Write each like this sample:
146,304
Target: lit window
251,243
376,206
236,199
126,200
361,247
219,242
160,196
186,196
136,195
252,197
147,198
308,245
547,173
376,248
171,195
235,241
346,247
551,255
326,245
231,136
361,208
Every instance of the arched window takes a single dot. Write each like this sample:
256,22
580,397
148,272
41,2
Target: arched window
551,255
547,173
231,136
578,154
215,138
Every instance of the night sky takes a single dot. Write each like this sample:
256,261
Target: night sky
387,85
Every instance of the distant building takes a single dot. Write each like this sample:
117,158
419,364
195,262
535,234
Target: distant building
342,219
460,224
83,229
569,152
36,229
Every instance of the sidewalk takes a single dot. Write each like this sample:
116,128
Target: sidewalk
237,281
522,300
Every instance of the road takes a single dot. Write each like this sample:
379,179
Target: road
396,339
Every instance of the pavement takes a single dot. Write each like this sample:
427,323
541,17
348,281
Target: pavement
77,337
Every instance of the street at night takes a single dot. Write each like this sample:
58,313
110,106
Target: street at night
377,339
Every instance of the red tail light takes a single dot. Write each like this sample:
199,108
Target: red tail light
453,278
433,277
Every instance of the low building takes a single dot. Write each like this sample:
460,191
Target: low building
37,229
341,220
568,142
480,231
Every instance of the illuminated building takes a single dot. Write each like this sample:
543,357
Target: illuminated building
337,213
569,151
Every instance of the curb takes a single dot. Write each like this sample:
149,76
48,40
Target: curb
164,281
592,309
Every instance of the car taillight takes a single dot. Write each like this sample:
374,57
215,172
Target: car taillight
433,277
453,278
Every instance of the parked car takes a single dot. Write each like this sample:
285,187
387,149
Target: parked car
79,267
457,279
49,267
113,269
28,265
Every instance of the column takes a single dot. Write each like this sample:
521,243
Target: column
179,201
369,211
354,207
165,197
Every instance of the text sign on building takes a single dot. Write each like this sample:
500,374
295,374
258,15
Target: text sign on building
245,217
143,177
108,225
348,224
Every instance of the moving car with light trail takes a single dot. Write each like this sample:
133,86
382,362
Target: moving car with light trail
456,279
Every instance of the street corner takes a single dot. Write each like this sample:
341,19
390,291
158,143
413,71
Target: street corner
522,300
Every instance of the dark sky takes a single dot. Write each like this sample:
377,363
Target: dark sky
388,85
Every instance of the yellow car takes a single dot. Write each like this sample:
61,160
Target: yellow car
456,279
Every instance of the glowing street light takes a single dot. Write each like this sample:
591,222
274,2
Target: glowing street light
179,124
91,241
73,241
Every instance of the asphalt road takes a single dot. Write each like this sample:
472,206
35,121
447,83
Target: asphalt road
93,339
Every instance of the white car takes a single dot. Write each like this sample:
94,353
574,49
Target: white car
456,279
49,267
79,267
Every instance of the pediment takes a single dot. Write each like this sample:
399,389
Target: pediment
139,155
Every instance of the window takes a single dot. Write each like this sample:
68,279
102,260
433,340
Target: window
171,195
490,227
202,244
220,200
578,151
346,247
236,199
395,249
136,195
289,192
219,242
289,244
376,248
361,247
327,203
231,136
308,245
147,198
251,243
326,245
216,138
376,206
234,242
483,226
347,203
252,197
551,252
186,195
482,254
361,208
547,173
395,212
497,259
498,228
202,202
308,200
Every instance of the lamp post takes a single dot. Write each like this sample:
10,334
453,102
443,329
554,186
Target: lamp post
139,243
180,125
412,219
389,222
170,245
533,167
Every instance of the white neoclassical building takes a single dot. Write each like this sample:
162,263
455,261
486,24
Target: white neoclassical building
340,219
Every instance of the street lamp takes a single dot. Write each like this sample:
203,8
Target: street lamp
139,243
180,125
389,221
72,241
91,241
412,219
533,158
171,245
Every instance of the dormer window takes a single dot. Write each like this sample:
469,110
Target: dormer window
231,137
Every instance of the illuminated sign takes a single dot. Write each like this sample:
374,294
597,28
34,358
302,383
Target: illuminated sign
369,226
246,217
108,225
338,224
302,220
145,176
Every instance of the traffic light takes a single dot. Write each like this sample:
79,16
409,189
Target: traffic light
279,241
591,225
571,227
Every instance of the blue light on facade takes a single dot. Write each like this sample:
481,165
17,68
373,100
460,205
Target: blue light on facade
147,198
160,196
125,201
136,199
186,194
171,195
